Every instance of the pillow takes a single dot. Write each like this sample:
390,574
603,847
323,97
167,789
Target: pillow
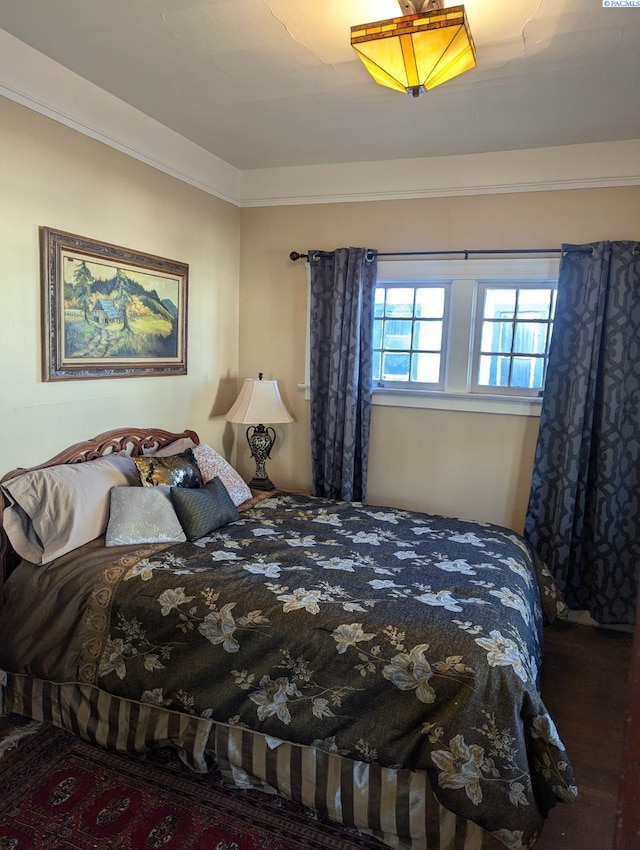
179,470
173,448
204,510
212,465
54,510
142,515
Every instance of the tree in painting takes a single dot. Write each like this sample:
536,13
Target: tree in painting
83,280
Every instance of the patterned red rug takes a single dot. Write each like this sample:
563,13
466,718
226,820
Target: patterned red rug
58,793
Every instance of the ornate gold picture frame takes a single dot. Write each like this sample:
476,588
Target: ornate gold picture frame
110,312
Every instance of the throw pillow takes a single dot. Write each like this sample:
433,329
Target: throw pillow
213,465
142,515
180,470
203,510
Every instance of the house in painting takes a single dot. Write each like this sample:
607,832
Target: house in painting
105,312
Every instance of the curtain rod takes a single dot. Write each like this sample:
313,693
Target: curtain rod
294,255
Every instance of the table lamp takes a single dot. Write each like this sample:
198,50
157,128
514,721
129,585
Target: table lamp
259,401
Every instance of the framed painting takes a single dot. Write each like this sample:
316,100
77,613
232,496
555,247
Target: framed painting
110,312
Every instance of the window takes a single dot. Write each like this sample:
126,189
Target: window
409,334
463,329
513,327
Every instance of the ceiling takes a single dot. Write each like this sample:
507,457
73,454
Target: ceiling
267,83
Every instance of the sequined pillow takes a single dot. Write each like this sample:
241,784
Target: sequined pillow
211,465
142,515
204,510
180,470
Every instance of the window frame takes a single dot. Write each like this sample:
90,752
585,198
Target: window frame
464,275
386,383
479,318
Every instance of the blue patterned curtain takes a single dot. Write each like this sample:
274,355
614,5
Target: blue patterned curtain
584,507
342,294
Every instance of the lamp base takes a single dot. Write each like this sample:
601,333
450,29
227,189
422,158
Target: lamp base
260,441
261,484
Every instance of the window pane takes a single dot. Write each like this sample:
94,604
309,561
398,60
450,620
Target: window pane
539,374
531,338
534,303
427,335
494,371
395,367
527,372
378,309
425,368
399,302
377,333
376,366
500,303
496,336
430,302
397,334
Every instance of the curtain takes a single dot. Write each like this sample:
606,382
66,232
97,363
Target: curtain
584,508
342,291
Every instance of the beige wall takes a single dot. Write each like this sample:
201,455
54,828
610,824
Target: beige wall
55,177
472,465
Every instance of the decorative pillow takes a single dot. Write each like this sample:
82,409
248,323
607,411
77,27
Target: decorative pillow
52,511
179,470
204,510
142,515
212,465
173,448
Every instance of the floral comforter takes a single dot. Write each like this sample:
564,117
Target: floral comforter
382,635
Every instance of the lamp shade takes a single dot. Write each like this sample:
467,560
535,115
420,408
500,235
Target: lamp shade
259,402
417,52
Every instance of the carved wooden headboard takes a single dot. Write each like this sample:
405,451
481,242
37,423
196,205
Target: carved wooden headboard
135,441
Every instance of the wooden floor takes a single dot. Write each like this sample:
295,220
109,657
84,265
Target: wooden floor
585,681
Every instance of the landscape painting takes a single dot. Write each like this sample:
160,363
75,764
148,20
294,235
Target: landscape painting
110,312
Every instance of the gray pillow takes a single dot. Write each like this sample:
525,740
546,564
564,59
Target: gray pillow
54,510
142,515
205,509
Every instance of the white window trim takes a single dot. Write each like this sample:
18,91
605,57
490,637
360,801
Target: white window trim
435,386
464,274
457,396
481,288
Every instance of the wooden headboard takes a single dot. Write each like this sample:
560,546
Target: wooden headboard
134,441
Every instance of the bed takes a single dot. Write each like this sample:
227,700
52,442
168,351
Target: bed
378,665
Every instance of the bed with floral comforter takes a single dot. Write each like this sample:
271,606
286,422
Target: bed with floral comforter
385,636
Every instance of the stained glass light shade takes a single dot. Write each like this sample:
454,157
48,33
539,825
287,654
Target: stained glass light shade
415,53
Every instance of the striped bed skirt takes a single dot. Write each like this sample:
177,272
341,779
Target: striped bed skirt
395,806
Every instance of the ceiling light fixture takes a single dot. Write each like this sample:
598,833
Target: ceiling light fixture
418,51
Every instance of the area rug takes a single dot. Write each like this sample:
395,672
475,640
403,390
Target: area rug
59,793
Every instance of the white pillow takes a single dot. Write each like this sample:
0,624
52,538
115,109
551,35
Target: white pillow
212,465
142,515
54,510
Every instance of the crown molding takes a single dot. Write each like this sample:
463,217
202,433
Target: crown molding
585,166
34,80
